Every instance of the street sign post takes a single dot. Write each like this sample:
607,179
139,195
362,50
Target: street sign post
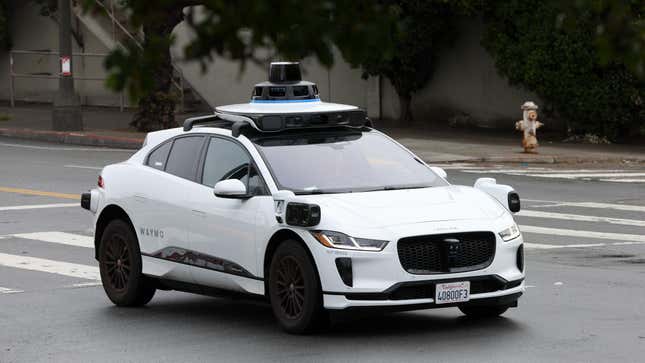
66,115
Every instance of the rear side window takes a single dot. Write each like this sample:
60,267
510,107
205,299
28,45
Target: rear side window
183,157
157,159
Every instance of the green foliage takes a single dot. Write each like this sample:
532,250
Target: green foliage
619,29
256,31
5,35
563,67
426,28
134,69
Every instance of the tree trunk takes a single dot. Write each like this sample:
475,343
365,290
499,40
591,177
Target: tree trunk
157,108
405,115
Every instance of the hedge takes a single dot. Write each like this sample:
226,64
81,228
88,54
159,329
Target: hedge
563,68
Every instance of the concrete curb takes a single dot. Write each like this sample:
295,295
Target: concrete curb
74,138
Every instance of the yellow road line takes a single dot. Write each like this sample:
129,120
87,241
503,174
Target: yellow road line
40,193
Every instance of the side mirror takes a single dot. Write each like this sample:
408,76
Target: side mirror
505,194
439,171
230,188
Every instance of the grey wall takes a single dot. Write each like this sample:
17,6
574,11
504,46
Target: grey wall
465,81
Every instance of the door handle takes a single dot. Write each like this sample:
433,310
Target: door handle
199,213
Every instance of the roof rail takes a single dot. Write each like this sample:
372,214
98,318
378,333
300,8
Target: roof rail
192,121
238,121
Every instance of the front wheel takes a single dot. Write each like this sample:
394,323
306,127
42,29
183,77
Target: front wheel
483,311
294,290
120,266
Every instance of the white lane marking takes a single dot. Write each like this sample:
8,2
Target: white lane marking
582,172
584,234
63,238
84,284
615,175
84,167
625,207
6,290
542,246
625,180
581,218
99,149
583,175
50,266
39,206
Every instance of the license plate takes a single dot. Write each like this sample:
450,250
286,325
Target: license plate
452,292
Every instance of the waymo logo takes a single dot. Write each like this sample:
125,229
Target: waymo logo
151,232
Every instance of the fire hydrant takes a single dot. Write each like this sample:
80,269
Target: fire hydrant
529,125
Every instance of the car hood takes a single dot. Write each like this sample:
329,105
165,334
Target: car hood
407,206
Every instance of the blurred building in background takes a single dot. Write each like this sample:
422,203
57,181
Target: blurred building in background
465,89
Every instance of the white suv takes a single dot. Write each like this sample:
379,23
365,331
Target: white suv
302,203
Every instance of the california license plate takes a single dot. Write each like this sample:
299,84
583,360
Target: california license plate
452,292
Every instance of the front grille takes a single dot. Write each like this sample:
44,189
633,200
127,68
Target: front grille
443,253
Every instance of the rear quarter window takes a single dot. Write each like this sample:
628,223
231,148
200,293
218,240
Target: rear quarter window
183,157
157,158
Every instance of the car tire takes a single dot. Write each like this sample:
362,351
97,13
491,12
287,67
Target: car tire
480,312
294,290
120,266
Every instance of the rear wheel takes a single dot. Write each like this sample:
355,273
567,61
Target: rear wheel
120,266
294,290
484,311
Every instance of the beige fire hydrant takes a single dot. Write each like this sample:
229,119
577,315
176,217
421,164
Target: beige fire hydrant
529,125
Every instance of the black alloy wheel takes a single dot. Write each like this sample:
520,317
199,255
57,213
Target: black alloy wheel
117,262
294,290
290,287
120,266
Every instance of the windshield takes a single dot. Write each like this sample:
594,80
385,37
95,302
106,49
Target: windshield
343,162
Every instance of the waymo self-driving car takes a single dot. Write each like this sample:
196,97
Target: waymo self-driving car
302,203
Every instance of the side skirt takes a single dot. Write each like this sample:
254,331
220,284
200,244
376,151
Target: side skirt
165,284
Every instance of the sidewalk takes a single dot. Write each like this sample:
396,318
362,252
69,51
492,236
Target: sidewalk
108,127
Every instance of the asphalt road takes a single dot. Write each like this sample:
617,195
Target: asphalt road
585,245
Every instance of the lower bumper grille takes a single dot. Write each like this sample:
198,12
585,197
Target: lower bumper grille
443,253
426,289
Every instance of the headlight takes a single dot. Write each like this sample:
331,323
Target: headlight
510,233
340,240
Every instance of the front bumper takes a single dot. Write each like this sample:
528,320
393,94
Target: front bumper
379,280
508,294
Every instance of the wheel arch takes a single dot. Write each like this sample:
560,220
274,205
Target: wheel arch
276,239
108,214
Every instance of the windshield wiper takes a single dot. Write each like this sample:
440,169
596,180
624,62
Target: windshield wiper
313,191
392,187
321,191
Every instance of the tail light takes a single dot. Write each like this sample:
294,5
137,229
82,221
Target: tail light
100,182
